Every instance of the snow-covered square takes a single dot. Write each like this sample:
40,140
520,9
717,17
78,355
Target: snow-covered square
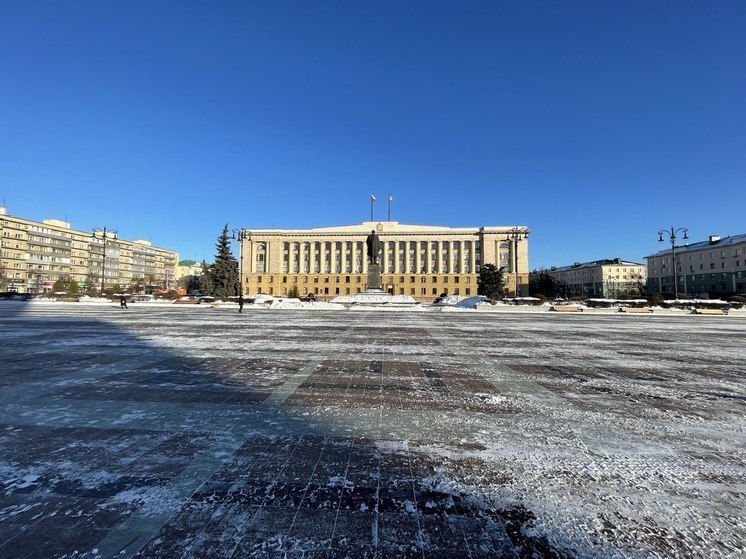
193,431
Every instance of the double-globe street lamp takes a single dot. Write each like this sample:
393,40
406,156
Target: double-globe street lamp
240,235
103,233
516,235
672,237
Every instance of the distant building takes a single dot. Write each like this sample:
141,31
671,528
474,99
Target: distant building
188,273
600,278
420,261
35,254
712,268
187,269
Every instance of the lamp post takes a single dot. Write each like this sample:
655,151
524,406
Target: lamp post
516,234
240,235
672,237
103,233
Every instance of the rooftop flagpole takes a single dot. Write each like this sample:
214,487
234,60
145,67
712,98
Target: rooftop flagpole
389,215
372,199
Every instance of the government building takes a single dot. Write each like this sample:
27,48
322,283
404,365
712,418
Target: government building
712,268
35,254
416,260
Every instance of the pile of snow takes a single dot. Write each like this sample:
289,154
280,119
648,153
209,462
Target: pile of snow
262,299
618,301
713,302
471,302
374,298
298,304
450,300
95,300
460,302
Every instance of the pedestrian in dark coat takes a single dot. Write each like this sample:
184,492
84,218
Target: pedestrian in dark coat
240,303
123,302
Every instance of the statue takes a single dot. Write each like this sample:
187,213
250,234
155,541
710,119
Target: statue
373,244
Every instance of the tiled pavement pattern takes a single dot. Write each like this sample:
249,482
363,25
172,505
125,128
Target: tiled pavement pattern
160,432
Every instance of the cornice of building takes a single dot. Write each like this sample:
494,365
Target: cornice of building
596,264
712,243
382,228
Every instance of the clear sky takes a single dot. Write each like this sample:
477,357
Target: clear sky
593,123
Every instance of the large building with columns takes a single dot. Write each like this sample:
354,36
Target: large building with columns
421,261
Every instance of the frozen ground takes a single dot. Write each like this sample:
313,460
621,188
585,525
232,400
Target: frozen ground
191,432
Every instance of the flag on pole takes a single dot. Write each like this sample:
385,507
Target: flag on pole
372,198
390,197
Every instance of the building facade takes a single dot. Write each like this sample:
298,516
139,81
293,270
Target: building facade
712,268
608,278
421,261
35,254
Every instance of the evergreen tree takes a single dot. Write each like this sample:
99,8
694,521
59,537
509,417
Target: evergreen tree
224,273
490,282
58,286
73,288
541,282
205,279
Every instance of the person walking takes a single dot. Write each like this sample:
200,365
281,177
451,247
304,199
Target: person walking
123,302
240,302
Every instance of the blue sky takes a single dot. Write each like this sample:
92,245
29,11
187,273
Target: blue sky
593,123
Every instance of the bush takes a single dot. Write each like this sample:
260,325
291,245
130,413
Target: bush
655,299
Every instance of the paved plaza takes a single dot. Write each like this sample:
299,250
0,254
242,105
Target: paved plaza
192,432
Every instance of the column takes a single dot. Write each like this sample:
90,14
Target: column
473,257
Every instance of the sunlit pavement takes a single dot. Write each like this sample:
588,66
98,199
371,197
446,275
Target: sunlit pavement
201,432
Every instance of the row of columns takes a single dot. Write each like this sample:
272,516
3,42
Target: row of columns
358,253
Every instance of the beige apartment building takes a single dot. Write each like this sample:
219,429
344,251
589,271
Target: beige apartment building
712,268
600,278
35,254
421,261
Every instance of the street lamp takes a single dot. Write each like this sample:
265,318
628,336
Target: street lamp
516,234
672,237
240,235
103,233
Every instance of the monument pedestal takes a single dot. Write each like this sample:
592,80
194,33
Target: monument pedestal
374,278
374,296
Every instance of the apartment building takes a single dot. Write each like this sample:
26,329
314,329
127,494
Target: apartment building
611,277
712,268
415,260
35,254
